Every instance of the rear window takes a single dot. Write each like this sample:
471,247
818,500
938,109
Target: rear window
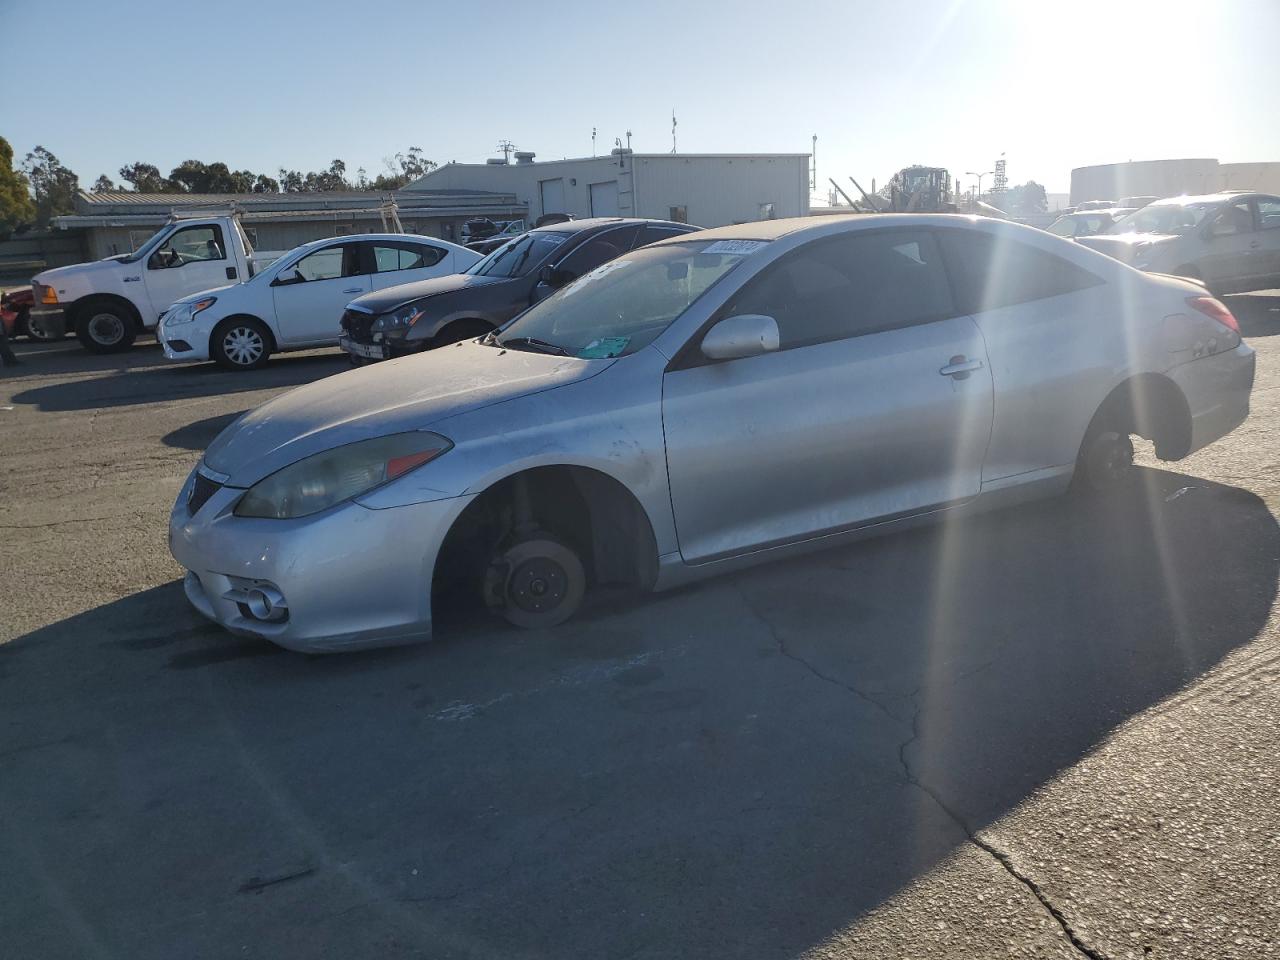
993,272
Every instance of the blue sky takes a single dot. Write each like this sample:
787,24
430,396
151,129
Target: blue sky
953,83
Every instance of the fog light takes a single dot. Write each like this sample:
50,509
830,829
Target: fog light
179,346
266,603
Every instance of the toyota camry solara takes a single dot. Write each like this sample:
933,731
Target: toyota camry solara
708,402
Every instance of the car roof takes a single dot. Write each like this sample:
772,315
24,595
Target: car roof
595,223
1222,197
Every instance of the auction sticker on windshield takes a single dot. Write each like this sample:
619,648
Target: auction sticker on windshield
739,247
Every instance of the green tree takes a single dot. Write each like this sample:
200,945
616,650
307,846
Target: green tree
104,185
16,208
1026,200
54,185
146,178
265,184
403,169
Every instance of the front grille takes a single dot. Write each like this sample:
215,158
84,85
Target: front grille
201,491
358,325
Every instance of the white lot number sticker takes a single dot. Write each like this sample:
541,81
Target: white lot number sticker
596,274
739,247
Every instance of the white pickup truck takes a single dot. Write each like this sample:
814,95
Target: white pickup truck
109,302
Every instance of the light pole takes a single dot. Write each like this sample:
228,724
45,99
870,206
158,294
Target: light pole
985,173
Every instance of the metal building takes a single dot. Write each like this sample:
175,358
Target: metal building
114,223
708,189
1170,178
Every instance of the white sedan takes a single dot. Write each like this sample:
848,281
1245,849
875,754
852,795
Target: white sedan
296,302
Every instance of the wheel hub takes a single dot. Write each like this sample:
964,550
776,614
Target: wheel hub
106,328
242,345
538,585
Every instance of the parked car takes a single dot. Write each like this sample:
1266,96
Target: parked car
708,402
508,232
296,303
522,271
1095,205
1085,223
1231,241
478,228
15,308
1137,202
109,302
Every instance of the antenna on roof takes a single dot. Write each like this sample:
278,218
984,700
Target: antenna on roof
628,139
673,129
506,146
593,141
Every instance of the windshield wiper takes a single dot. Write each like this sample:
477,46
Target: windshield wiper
541,346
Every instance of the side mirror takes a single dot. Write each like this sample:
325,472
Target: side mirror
746,335
290,276
553,277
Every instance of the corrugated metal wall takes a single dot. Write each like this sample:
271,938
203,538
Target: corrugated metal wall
717,191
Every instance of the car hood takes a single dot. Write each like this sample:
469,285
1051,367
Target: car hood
212,291
1124,246
395,396
50,278
381,301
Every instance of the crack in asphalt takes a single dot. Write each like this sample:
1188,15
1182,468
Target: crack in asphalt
61,523
998,855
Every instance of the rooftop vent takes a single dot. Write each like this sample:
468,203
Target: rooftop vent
497,161
525,156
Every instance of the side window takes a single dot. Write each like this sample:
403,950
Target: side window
390,257
1233,220
1269,213
995,272
190,245
650,235
330,263
601,248
851,285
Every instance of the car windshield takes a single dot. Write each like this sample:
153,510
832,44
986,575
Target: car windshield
1063,227
1163,218
521,255
623,305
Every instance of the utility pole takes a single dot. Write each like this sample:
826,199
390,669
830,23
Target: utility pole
985,173
593,141
813,166
673,129
628,139
506,146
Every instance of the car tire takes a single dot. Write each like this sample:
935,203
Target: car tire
104,326
240,343
1105,462
535,583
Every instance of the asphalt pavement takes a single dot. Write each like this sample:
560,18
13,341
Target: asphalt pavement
1046,732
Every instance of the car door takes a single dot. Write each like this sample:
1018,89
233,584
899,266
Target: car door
877,404
311,294
1231,244
192,259
1268,237
1053,331
597,249
404,261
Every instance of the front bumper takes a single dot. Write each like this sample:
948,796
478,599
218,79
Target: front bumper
351,577
1217,389
186,341
387,349
50,318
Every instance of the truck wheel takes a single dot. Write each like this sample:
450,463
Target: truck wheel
105,327
240,343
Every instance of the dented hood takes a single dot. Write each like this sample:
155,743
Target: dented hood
395,396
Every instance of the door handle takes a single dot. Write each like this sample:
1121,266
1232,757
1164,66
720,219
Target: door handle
352,290
960,367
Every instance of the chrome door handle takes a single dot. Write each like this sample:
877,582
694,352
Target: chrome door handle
352,290
960,368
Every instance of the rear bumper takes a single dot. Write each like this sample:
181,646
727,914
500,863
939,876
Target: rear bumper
1217,389
350,577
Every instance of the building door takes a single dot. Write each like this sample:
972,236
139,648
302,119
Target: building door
604,199
552,195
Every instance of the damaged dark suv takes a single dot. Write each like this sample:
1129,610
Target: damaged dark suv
431,313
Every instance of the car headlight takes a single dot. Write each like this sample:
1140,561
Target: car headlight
186,312
401,319
324,479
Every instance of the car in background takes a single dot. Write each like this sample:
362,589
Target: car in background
508,232
1085,223
695,406
1095,205
1230,241
296,302
420,316
1137,202
478,228
15,311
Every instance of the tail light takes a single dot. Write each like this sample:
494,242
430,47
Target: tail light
1215,309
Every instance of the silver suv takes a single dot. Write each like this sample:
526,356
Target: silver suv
1231,241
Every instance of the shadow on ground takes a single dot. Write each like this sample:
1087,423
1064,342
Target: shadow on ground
737,769
148,381
1257,313
201,433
